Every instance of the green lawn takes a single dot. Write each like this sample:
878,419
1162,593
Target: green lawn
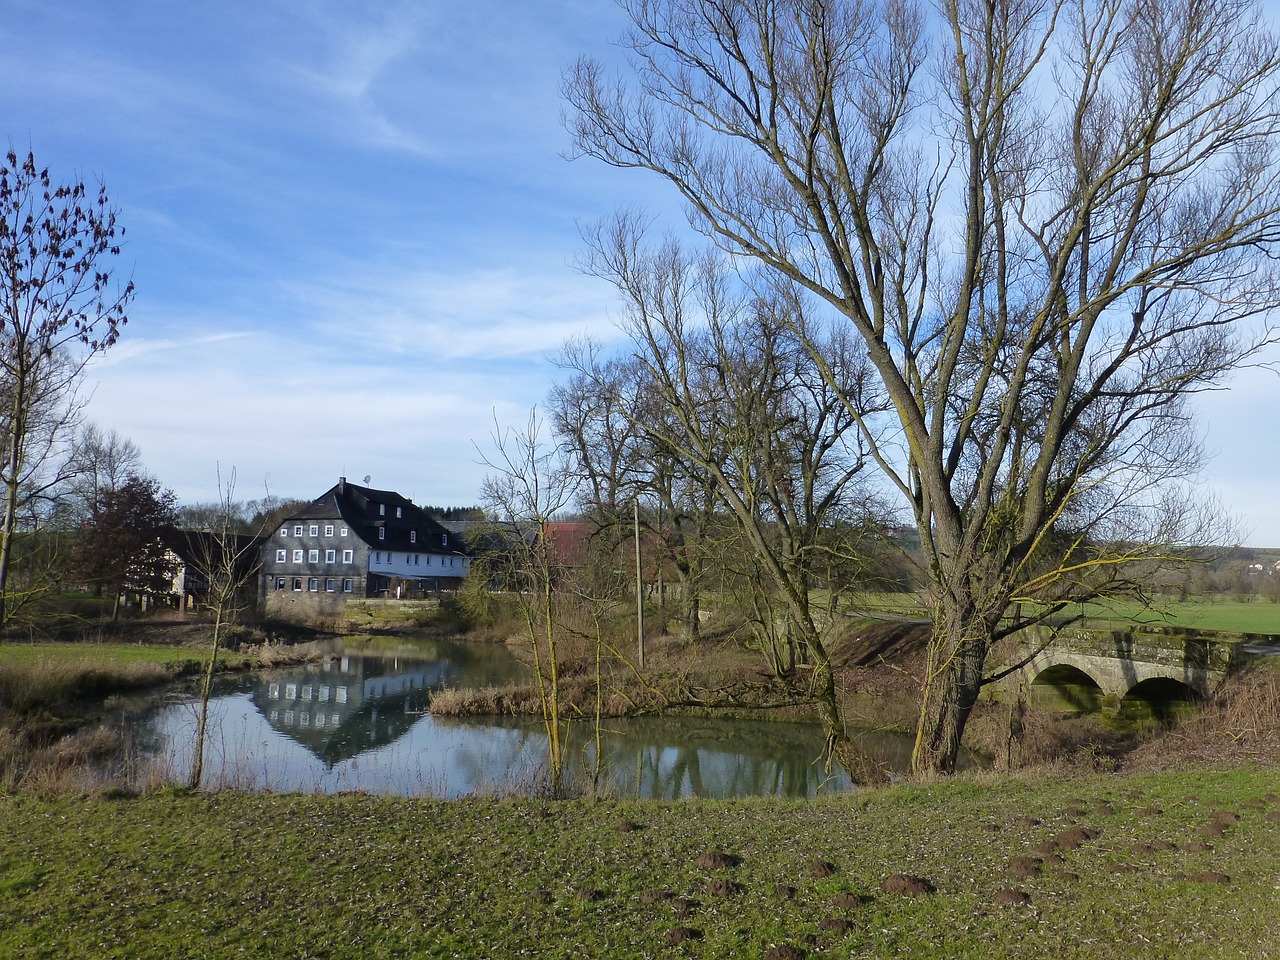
233,875
1257,616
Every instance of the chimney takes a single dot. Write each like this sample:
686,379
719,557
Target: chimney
342,486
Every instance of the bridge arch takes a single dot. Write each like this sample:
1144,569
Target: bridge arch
1073,686
1161,697
1120,662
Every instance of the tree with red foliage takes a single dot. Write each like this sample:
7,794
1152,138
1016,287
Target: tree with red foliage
121,548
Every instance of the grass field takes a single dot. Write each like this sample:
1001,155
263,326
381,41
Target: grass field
1232,616
1171,865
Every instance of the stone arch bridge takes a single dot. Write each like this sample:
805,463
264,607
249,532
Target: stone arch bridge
1119,662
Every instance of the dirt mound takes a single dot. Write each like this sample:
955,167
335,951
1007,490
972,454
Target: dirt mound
907,885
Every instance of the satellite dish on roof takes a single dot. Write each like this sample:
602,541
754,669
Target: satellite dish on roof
367,478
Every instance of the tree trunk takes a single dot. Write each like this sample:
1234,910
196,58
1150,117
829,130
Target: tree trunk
690,610
838,746
206,690
957,652
15,436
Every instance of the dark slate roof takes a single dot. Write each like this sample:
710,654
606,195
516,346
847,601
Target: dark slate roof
200,548
366,510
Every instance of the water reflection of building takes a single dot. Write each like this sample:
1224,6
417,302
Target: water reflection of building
349,704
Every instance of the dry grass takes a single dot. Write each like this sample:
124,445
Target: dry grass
49,682
45,744
1044,738
1237,725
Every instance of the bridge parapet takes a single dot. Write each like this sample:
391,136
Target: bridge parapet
1119,660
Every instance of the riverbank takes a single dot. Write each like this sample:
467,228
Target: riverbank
64,708
1172,864
58,700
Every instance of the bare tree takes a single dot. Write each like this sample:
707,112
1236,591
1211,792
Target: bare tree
605,414
529,487
224,561
59,306
100,461
1048,222
737,399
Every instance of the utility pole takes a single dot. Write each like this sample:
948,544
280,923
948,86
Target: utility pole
635,504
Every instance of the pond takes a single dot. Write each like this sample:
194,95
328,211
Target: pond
359,720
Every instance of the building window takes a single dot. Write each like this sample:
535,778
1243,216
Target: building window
382,533
416,558
398,514
273,691
341,695
330,556
328,585
348,556
313,556
297,556
377,557
279,583
328,529
413,536
282,556
346,585
284,531
444,539
342,532
315,530
297,529
297,583
306,691
324,693
382,509
313,585
291,691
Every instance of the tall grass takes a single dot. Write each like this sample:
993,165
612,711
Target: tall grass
47,743
52,682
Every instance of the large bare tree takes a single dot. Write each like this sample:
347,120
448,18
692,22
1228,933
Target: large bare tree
1048,222
732,394
59,306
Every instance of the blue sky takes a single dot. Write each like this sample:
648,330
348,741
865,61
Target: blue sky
352,231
